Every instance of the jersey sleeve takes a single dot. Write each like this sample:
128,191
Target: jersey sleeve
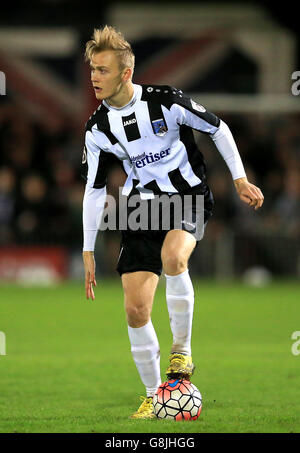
95,163
225,143
190,113
194,115
92,213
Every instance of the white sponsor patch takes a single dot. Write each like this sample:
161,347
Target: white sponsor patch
128,122
198,107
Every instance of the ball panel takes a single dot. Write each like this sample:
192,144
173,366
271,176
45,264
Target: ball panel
194,411
185,388
197,394
198,413
173,403
161,413
186,415
158,397
189,405
157,408
170,417
172,411
176,394
183,400
166,395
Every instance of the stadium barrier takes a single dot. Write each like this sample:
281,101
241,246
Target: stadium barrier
33,265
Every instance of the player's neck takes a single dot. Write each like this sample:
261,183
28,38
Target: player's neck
123,97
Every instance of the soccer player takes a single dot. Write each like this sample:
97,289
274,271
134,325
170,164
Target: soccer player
149,129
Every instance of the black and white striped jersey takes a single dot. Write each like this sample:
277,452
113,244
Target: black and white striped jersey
152,136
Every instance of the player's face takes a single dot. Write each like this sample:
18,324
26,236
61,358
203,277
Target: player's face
106,76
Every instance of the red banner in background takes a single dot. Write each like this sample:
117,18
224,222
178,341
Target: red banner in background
33,265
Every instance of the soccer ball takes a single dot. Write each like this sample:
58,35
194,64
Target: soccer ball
177,399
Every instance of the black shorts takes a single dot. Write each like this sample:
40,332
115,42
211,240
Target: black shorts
140,250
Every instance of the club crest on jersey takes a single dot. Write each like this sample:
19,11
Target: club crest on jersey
159,127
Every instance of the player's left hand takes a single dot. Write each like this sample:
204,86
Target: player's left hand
249,193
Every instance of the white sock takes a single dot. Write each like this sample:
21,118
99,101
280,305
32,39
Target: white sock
180,302
146,354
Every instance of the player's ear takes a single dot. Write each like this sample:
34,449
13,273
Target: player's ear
127,74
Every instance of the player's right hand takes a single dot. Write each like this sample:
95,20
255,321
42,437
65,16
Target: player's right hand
249,193
89,269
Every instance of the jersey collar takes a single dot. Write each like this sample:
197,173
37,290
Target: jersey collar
136,96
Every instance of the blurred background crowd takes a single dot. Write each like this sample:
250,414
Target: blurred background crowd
41,189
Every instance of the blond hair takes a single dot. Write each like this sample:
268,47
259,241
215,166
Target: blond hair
108,38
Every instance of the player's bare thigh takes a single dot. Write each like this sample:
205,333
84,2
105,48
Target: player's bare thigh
176,251
139,290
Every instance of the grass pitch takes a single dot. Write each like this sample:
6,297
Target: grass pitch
68,366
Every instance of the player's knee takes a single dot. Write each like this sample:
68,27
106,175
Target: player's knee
173,263
137,314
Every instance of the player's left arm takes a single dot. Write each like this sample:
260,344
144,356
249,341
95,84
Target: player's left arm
196,116
95,175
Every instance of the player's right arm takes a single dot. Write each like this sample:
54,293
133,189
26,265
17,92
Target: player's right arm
95,174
